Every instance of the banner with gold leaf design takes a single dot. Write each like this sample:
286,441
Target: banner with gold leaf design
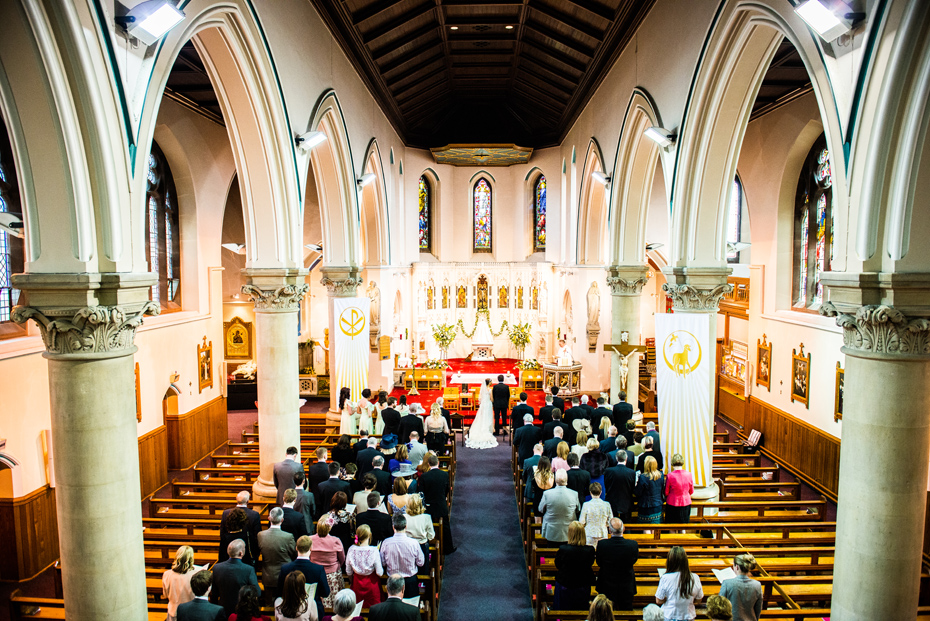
352,344
685,358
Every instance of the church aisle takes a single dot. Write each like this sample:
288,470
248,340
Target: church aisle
485,579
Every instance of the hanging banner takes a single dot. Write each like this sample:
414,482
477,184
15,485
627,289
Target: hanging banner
685,357
351,344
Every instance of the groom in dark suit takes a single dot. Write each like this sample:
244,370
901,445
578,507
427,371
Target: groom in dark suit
500,395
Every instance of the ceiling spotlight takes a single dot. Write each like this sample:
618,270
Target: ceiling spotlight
828,18
305,142
453,27
11,223
314,247
149,21
365,179
600,177
653,246
234,248
509,27
663,137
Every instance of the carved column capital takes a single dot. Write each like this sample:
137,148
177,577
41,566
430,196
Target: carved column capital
91,333
687,297
342,287
627,279
279,299
881,331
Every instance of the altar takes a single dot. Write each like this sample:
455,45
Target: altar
567,378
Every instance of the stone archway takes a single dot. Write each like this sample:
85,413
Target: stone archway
591,244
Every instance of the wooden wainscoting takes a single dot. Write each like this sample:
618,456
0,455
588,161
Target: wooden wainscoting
28,534
730,400
153,460
194,434
796,444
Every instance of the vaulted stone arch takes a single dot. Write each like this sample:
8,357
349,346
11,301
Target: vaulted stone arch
591,244
375,224
737,53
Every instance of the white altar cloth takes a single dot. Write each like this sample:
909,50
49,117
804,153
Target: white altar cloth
477,378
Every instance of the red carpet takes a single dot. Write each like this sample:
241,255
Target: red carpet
501,366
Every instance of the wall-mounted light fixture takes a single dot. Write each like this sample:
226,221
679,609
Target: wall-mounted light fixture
600,177
828,18
365,179
661,136
305,142
149,21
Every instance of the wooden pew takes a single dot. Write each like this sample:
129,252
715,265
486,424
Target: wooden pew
766,490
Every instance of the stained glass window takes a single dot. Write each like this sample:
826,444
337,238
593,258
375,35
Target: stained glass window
539,215
425,220
161,232
813,227
11,247
482,197
6,273
734,222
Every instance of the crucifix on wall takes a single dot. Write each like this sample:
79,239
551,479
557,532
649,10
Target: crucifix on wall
625,351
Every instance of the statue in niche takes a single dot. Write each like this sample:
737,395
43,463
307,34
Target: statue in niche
482,293
445,296
567,311
503,297
374,294
543,299
430,304
534,298
594,306
461,297
519,303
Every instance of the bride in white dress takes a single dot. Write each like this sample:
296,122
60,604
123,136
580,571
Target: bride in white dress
481,434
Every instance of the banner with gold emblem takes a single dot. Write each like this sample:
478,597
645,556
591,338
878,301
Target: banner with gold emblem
351,344
684,361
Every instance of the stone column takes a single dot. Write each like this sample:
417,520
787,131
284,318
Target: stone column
276,294
88,323
340,282
626,288
880,516
698,290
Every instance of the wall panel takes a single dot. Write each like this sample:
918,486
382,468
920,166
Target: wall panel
194,434
797,444
731,404
153,460
28,534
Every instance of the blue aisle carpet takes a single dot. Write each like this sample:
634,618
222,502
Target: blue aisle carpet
485,579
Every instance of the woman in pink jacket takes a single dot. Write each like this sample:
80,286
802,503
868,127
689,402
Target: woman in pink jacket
678,489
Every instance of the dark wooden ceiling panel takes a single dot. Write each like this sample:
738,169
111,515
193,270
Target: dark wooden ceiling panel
466,71
785,80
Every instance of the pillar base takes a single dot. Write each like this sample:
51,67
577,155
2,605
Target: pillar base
708,493
262,490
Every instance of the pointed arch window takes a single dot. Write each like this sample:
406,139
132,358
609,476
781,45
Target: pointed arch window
734,221
482,215
162,239
426,216
813,227
539,214
12,252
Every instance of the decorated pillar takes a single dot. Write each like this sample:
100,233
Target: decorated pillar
340,282
626,286
88,323
276,294
880,516
686,345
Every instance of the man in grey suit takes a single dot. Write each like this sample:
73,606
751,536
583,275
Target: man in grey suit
415,449
559,507
199,608
278,548
284,472
230,576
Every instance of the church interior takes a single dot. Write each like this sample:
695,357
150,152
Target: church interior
705,206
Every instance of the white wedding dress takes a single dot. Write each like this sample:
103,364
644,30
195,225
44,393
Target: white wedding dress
481,434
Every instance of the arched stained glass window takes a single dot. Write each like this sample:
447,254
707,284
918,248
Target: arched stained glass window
161,232
734,222
539,214
11,246
425,215
482,220
813,227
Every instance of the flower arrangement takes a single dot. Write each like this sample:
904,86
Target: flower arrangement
530,364
520,334
433,363
444,334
